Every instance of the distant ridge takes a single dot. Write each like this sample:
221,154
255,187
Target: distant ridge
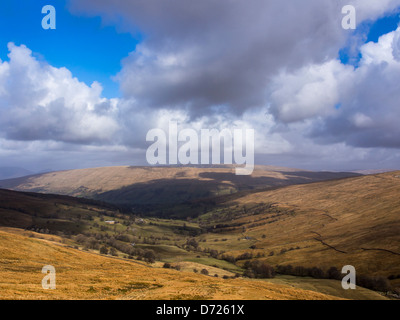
152,186
374,171
13,172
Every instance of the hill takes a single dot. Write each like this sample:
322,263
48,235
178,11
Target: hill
56,213
352,221
153,189
82,275
13,172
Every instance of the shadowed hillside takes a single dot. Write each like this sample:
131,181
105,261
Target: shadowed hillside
45,211
150,189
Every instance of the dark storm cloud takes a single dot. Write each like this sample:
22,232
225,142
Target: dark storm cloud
198,54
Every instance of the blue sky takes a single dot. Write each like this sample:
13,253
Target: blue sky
383,26
91,51
370,31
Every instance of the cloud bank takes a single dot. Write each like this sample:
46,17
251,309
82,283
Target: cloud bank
268,65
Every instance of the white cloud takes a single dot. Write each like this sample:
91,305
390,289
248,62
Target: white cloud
382,51
367,97
311,91
396,46
40,102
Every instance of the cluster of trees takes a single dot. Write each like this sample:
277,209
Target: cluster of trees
378,283
155,240
41,230
301,271
243,256
258,269
105,250
111,245
167,265
186,230
192,244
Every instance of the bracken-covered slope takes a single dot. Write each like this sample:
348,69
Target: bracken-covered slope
354,221
81,275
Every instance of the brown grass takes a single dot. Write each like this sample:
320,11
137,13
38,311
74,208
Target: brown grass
82,275
332,224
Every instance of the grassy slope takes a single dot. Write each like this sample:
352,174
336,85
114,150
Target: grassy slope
326,286
82,275
350,215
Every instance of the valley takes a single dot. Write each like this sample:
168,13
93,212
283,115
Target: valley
294,234
170,192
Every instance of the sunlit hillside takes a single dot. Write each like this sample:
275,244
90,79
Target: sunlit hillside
351,221
81,275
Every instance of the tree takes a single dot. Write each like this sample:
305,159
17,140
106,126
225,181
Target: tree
178,267
249,273
316,272
382,284
214,253
192,242
103,250
204,271
149,256
333,273
113,252
258,269
245,256
300,271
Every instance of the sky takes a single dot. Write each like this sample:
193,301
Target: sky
319,97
